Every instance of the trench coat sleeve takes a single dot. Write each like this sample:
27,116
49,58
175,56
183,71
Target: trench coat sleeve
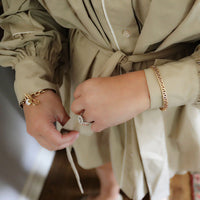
32,45
181,79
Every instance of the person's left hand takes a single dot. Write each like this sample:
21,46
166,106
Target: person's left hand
109,101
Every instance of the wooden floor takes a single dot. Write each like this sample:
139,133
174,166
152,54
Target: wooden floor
61,184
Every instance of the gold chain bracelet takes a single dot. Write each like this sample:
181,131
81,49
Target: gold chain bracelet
162,88
29,99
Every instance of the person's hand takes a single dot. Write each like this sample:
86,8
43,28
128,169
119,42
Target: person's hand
40,122
109,101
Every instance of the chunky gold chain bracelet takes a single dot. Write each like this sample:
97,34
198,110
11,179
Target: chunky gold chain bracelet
162,88
29,99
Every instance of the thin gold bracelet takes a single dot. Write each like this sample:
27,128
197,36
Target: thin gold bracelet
29,99
162,88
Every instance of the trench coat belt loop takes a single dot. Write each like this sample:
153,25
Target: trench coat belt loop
120,58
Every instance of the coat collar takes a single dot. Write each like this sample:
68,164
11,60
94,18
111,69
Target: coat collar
163,17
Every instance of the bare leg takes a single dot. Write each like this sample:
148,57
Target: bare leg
109,189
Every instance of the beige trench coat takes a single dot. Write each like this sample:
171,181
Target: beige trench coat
147,150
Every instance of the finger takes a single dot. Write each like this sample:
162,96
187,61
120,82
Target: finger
45,144
68,136
62,117
77,92
96,128
51,147
86,116
54,137
77,106
69,143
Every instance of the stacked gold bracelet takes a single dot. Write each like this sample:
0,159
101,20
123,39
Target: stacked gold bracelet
162,88
29,99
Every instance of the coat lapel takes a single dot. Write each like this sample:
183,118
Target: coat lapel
163,17
188,30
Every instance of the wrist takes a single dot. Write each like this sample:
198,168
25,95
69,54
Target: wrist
140,87
34,98
145,95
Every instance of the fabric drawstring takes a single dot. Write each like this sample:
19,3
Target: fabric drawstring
73,124
71,161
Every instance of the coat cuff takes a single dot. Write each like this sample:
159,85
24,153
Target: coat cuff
33,74
181,81
154,89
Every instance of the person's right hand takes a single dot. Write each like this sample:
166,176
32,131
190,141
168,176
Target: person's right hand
40,122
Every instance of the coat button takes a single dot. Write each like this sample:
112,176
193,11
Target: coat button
126,33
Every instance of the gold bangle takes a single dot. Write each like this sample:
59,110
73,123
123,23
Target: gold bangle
29,99
162,88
